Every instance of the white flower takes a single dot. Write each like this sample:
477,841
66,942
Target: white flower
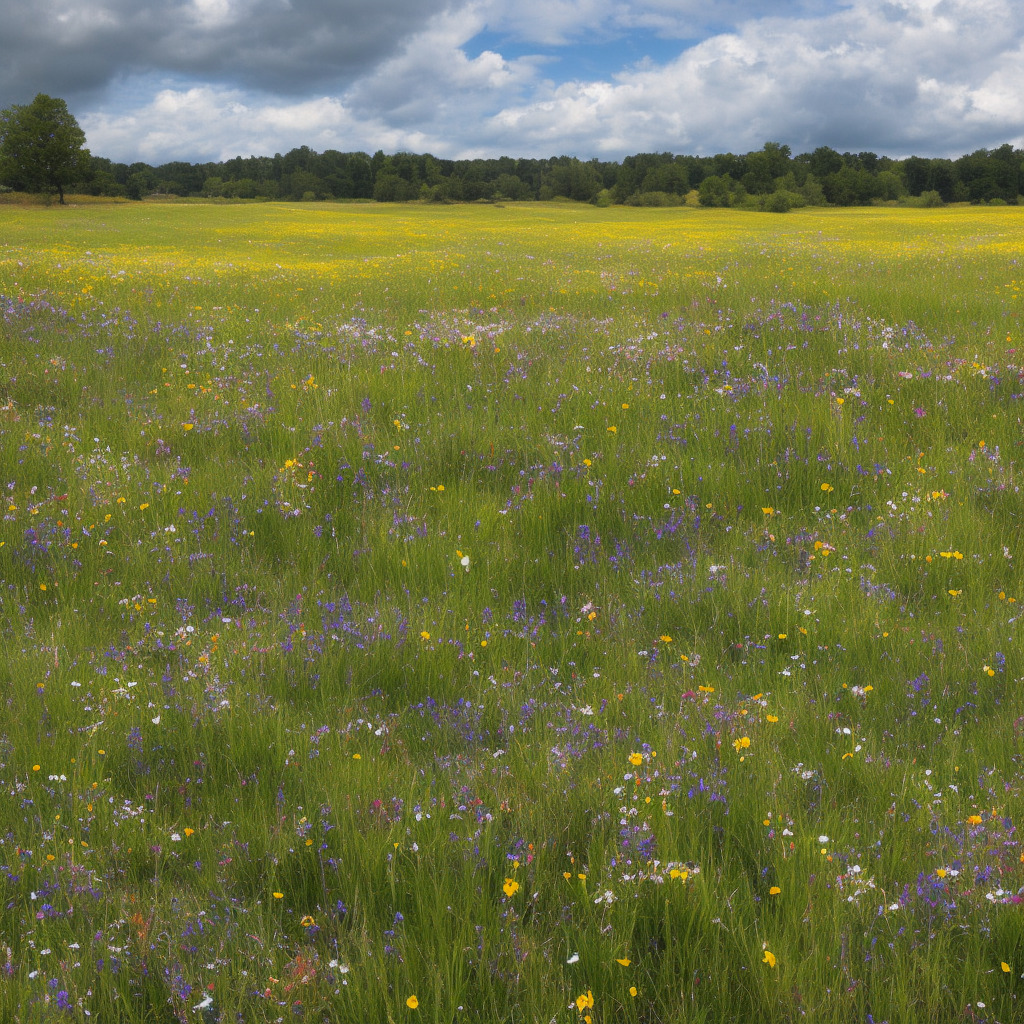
573,959
464,562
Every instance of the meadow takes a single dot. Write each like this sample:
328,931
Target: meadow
510,614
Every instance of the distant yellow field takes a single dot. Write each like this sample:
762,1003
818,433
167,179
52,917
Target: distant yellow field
917,261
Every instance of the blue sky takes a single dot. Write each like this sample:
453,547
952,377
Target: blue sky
212,79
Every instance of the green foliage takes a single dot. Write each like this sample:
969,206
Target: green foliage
779,202
42,147
716,190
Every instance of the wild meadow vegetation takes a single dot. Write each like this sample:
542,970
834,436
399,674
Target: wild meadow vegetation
539,613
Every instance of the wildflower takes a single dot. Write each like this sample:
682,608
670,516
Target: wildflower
585,1002
706,689
632,991
511,887
827,487
940,872
187,426
741,744
665,638
612,430
412,1002
424,635
768,958
1005,966
769,511
636,759
307,922
574,958
625,961
974,819
774,891
772,718
278,895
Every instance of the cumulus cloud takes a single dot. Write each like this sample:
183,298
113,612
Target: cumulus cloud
74,47
935,77
919,75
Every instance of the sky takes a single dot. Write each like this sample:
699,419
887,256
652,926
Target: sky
196,80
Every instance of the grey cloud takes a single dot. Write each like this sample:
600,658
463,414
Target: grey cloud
75,48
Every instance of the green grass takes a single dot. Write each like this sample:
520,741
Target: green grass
740,499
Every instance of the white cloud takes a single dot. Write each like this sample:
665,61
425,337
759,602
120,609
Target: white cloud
924,76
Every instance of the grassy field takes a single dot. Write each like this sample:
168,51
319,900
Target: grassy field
528,613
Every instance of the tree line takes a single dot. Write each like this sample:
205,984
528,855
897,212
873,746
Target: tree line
770,178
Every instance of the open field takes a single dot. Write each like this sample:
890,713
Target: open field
536,613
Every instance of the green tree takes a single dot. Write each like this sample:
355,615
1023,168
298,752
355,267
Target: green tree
42,147
716,190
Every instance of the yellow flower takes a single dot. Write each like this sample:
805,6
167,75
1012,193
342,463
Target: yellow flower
774,891
741,744
187,426
768,958
278,895
782,636
511,887
625,961
636,759
665,638
974,819
190,832
585,1002
1005,966
412,1002
632,991
706,689
940,872
612,430
424,635
769,511
307,922
772,718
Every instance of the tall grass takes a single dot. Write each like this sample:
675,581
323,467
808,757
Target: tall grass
524,613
